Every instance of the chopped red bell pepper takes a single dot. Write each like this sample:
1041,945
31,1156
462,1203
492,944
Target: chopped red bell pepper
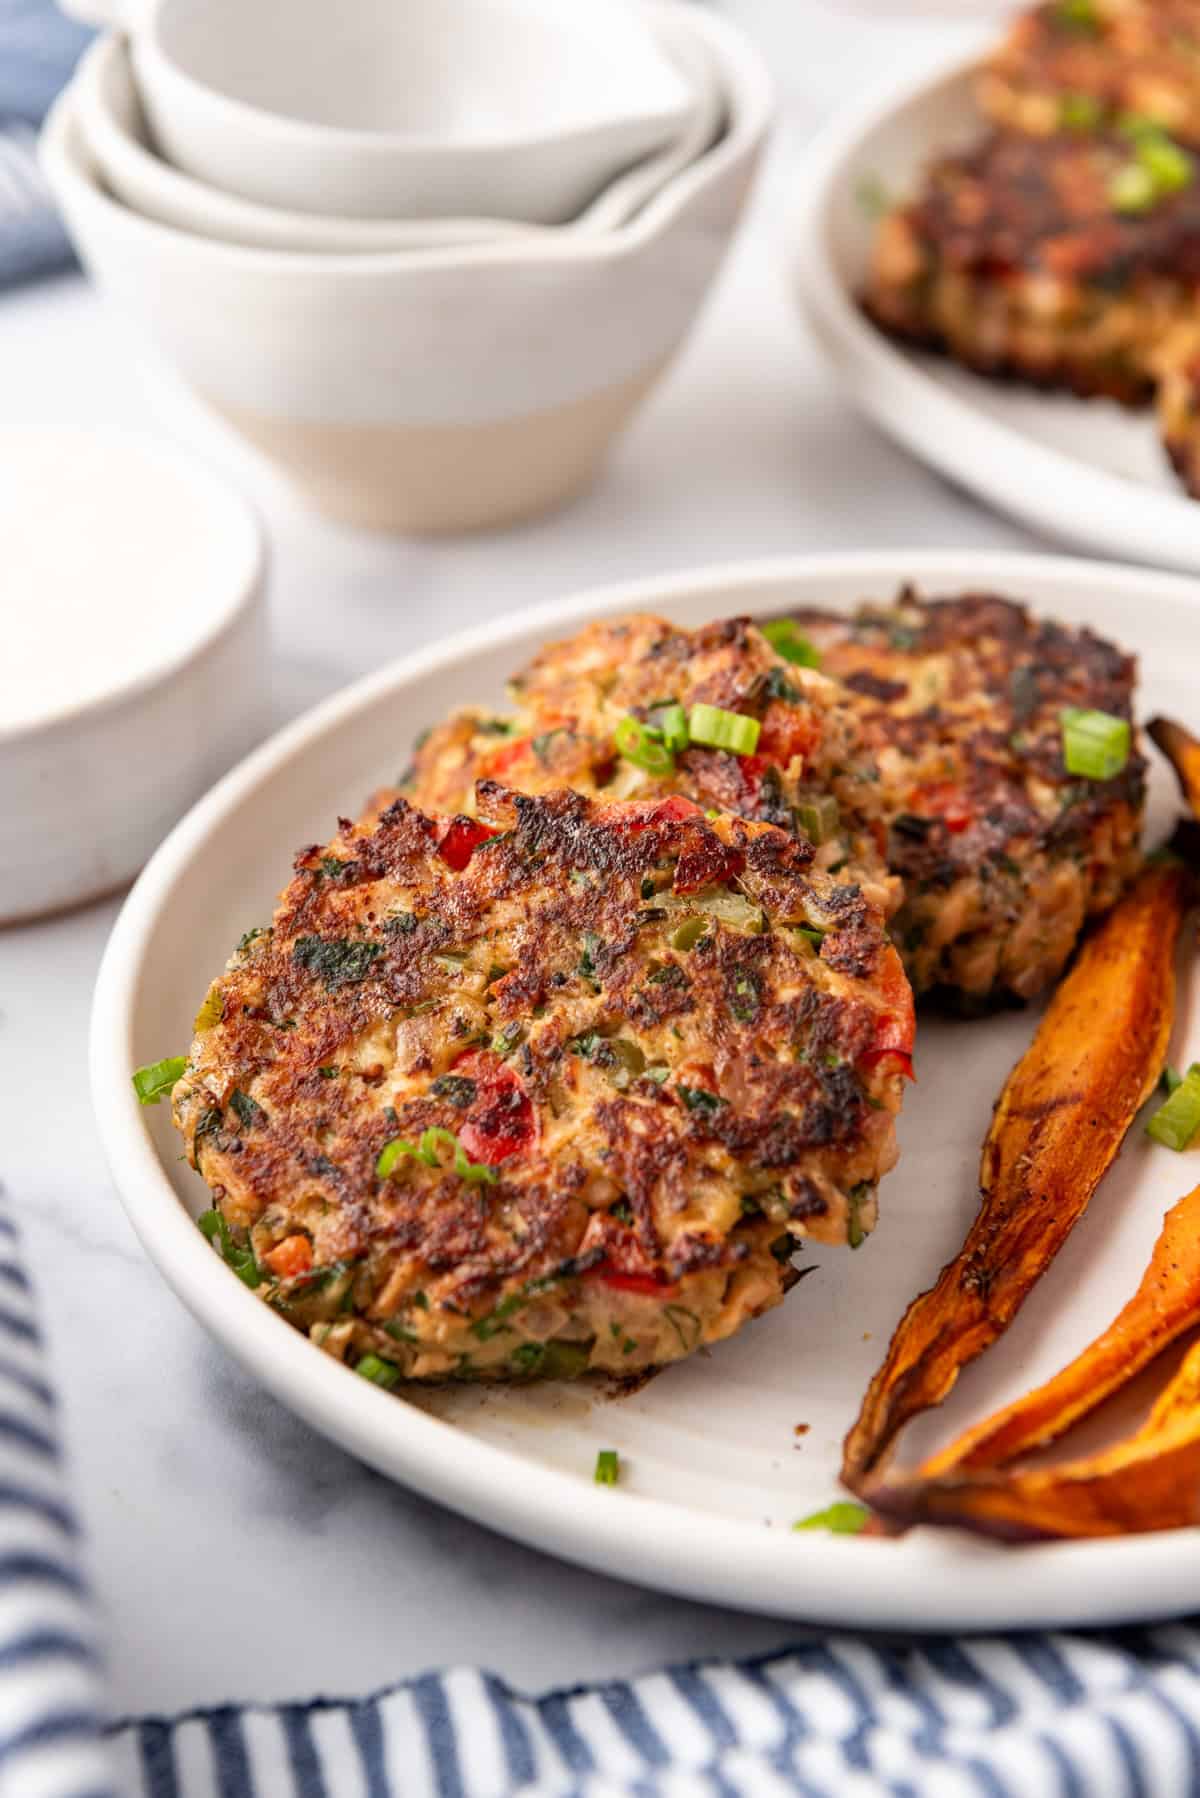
945,801
460,839
501,1120
896,1025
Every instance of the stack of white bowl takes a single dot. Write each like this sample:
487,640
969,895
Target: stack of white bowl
428,256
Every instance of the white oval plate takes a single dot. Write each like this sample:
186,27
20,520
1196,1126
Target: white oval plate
713,1473
1086,471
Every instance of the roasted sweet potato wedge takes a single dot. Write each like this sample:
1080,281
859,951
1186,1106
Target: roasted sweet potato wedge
1057,1127
1151,1481
1182,750
1165,1305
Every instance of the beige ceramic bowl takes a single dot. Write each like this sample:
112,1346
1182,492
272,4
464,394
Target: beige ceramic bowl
433,390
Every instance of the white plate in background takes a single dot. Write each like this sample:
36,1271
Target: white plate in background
1086,471
713,1472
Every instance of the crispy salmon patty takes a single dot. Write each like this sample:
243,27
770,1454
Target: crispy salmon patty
808,772
1068,65
1002,853
554,1090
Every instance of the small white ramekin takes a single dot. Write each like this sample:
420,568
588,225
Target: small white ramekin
90,785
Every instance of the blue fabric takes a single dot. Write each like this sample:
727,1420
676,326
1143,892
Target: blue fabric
1058,1715
39,47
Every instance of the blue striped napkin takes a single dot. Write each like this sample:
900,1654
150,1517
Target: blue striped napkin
39,47
1038,1716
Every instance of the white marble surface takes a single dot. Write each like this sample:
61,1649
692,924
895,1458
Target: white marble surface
237,1554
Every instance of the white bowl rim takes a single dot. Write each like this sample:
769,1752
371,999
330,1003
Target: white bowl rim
1019,474
751,105
112,49
242,517
147,45
672,1548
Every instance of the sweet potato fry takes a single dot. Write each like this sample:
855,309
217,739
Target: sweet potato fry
1057,1127
1151,1481
1182,750
1165,1305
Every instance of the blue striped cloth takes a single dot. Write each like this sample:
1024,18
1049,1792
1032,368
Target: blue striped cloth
39,46
1038,1716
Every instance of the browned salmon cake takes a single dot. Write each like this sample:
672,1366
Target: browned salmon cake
1060,260
807,771
557,1090
1072,64
1002,853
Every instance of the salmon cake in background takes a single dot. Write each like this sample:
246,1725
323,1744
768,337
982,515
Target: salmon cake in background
1067,65
558,1088
638,707
975,712
1062,261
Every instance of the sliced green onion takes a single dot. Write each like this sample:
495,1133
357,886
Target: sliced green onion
391,1153
718,729
1132,189
689,933
843,1518
735,910
608,1467
152,1081
789,641
637,743
379,1372
1078,15
213,1227
670,721
565,1360
1079,112
1177,1122
1095,744
1170,1078
1169,167
1135,125
810,934
426,1150
819,819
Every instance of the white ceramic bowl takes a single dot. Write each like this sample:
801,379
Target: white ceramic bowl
709,1458
518,109
431,390
114,129
132,669
116,135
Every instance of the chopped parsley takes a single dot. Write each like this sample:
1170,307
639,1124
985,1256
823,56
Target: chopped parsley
214,1228
697,1098
248,1111
334,960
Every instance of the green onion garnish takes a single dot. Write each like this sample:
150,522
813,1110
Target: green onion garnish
819,819
379,1372
1169,167
689,933
1170,1078
608,1467
639,745
213,1228
1177,1122
1077,15
718,729
1079,112
670,721
151,1082
842,1518
788,641
1095,744
426,1150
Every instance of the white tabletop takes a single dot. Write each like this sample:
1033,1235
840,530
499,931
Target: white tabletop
237,1554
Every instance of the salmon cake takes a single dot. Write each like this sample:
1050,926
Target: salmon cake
595,713
558,1089
970,704
1074,64
1063,261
